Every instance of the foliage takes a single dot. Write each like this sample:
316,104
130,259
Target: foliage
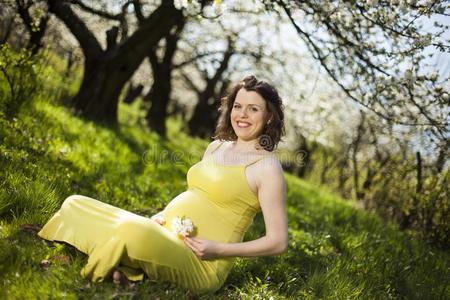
387,182
25,76
377,53
395,197
19,78
336,251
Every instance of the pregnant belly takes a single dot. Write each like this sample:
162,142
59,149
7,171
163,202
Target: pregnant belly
210,221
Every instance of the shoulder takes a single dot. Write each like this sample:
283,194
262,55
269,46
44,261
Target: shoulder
271,164
270,169
211,147
270,180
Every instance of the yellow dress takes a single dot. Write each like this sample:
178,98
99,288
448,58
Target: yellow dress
219,202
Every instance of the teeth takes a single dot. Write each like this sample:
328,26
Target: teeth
243,124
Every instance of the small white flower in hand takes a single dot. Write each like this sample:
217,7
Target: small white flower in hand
182,226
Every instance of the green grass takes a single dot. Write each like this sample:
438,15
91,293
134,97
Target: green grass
336,250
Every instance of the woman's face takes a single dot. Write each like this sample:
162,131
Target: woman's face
248,115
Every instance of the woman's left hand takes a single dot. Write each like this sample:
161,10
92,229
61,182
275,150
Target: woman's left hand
202,248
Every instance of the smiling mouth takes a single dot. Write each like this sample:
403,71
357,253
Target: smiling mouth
243,124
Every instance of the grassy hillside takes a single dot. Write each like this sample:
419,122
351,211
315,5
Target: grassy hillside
46,154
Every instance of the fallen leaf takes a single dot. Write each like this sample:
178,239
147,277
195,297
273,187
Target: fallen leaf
61,259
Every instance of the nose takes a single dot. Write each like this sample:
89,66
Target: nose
243,113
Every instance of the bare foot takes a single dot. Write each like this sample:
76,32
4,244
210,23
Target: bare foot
119,278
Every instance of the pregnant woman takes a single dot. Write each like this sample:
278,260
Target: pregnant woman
193,242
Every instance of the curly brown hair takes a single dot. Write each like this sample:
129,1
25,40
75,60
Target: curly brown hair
273,129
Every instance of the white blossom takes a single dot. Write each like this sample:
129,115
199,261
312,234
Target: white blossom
446,97
189,7
180,4
182,226
193,8
434,76
217,6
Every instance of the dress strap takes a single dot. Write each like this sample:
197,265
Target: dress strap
221,142
258,159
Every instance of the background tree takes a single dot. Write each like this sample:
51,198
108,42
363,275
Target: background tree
205,114
159,94
35,22
374,50
107,70
7,16
229,50
366,115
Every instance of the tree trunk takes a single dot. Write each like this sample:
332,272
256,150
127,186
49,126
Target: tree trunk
107,71
342,167
444,154
159,97
132,93
326,166
203,120
159,94
99,92
36,32
306,156
355,148
419,172
6,26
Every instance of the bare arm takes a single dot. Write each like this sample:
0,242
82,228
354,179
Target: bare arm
272,198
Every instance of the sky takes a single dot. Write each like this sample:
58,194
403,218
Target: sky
440,61
309,81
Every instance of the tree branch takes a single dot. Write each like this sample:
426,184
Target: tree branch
138,11
89,44
137,46
190,83
317,53
194,58
101,13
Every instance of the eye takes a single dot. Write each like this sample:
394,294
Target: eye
236,106
254,109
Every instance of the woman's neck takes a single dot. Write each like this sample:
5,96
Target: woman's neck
245,146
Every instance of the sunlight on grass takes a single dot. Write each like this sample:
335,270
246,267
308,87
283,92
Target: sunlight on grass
336,251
